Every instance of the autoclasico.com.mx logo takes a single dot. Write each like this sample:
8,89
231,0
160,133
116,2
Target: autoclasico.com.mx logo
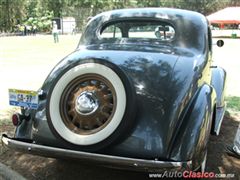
190,174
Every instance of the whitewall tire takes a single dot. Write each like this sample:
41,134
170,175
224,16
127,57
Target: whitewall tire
86,135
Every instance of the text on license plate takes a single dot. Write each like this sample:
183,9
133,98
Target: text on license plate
23,98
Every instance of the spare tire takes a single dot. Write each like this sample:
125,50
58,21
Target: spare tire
91,105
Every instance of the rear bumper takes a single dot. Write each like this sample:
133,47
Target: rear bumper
106,160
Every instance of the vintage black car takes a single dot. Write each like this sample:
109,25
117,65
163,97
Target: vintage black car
139,91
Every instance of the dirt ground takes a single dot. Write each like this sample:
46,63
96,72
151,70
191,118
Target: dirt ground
36,167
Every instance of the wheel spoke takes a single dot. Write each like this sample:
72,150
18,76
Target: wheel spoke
105,114
74,119
71,112
98,122
97,84
70,103
107,109
108,96
109,105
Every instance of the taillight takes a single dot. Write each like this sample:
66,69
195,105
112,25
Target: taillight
15,119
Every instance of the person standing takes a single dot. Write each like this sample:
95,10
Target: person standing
34,30
55,32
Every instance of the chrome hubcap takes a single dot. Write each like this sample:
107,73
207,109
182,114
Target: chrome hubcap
86,103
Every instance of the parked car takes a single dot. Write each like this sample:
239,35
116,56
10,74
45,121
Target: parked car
129,95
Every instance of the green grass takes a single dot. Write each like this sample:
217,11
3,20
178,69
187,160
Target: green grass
25,61
233,103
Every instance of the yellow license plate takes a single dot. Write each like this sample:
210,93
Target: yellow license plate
23,98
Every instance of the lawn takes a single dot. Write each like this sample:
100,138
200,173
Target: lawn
26,61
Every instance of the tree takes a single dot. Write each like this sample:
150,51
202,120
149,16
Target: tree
55,6
234,3
12,13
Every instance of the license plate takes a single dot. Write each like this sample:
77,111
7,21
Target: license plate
23,98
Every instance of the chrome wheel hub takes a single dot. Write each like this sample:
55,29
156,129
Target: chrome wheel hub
86,103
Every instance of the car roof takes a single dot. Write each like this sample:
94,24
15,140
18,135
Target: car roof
159,13
191,27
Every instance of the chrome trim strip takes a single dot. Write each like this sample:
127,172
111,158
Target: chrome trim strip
137,164
220,111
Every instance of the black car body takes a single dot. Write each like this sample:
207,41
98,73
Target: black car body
140,91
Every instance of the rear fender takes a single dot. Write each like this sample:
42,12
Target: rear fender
191,141
218,82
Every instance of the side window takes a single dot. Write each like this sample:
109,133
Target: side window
111,32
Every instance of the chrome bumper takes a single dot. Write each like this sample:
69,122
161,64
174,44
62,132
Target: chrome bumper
219,118
106,160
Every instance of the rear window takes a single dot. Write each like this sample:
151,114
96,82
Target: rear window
139,29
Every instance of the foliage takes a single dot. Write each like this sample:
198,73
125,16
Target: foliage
41,23
39,16
11,13
233,102
39,12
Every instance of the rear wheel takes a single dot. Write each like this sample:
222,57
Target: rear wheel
89,106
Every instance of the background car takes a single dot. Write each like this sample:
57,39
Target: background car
127,97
